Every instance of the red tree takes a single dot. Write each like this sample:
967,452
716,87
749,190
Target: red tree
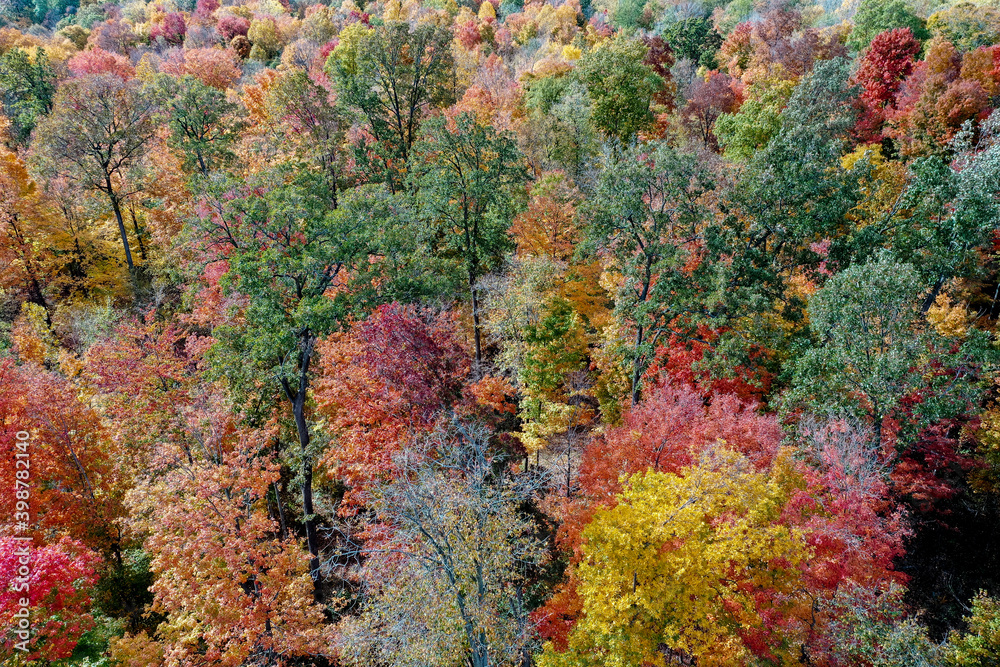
885,64
385,379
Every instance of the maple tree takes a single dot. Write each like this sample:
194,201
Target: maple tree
697,537
57,591
389,377
887,61
243,590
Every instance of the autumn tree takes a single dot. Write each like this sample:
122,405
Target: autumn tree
283,249
934,103
966,25
98,136
646,215
388,377
675,568
231,584
468,179
26,223
447,572
392,76
708,98
887,61
57,590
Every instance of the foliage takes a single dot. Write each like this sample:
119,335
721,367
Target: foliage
392,75
874,17
621,87
871,362
467,177
673,568
453,567
28,84
978,646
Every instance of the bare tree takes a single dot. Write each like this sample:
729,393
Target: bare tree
446,570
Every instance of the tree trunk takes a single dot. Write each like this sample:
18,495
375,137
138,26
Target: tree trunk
138,235
298,401
636,367
121,227
298,409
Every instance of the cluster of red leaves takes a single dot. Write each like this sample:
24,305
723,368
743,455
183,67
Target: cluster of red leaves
677,362
945,90
99,61
885,64
76,488
386,379
59,579
172,29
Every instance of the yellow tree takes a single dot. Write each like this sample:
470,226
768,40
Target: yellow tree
686,566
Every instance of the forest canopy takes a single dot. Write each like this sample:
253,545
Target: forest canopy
441,333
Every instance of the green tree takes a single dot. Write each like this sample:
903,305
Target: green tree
203,123
621,87
874,350
792,194
693,38
392,75
284,249
758,119
876,16
645,214
469,181
979,646
27,86
310,123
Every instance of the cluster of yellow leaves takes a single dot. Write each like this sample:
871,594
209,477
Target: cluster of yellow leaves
881,186
675,562
948,319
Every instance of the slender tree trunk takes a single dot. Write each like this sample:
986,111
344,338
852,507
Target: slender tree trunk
138,235
121,226
281,512
298,409
298,400
636,367
932,297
